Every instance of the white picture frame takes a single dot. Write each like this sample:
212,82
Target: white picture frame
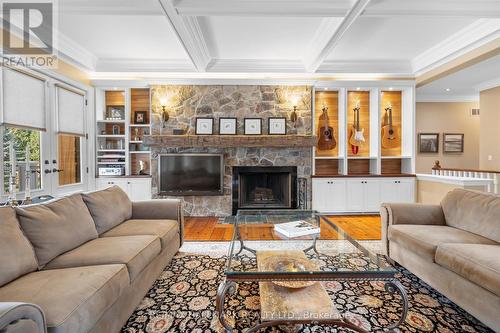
204,126
276,125
253,126
228,126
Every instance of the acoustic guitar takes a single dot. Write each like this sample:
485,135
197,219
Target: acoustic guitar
357,138
390,138
325,133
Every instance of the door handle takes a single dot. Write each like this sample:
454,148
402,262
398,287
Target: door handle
47,171
57,170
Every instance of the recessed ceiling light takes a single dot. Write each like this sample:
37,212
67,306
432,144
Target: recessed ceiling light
358,88
390,88
325,88
448,89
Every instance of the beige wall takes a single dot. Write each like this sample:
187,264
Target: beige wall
490,129
449,118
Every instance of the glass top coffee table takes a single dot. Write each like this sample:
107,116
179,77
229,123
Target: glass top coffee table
288,269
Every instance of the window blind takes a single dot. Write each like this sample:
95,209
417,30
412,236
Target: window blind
70,111
24,99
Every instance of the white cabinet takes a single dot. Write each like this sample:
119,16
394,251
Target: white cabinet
360,195
136,188
329,195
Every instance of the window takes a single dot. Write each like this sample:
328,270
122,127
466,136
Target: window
21,138
69,161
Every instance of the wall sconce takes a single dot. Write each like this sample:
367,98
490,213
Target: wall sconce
164,114
293,116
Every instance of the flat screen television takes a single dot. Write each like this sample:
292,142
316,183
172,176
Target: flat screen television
191,174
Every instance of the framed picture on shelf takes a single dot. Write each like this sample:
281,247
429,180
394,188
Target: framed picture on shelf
115,113
428,142
227,126
204,126
140,117
453,143
253,126
116,130
276,125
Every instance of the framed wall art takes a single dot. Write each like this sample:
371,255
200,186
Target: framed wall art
228,126
428,142
453,143
253,126
277,125
204,126
140,117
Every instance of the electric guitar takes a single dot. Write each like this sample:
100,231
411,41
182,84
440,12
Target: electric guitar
357,135
325,133
390,139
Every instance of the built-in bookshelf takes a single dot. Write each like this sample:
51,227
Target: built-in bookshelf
122,120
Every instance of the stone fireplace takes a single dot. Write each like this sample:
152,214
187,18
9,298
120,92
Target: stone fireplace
242,101
258,187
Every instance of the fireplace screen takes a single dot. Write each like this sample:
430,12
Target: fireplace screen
268,190
264,187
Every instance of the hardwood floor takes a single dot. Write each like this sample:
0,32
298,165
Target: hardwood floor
360,227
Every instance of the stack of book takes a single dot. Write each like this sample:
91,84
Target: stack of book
296,229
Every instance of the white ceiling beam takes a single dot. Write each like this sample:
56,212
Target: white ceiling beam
469,38
190,35
328,8
256,66
329,35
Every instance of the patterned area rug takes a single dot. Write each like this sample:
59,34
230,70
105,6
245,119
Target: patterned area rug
183,300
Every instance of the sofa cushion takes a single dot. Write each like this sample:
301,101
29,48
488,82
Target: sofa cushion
73,299
108,207
475,262
17,256
166,230
424,239
56,226
134,251
473,211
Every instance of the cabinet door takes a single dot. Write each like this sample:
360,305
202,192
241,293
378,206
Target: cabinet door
139,189
371,195
336,196
389,191
406,190
355,195
319,194
103,183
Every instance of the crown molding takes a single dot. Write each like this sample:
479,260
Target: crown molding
255,66
76,54
144,65
488,84
422,98
328,8
189,32
331,39
473,36
388,67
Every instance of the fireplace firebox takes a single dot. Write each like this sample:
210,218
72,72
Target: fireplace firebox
256,187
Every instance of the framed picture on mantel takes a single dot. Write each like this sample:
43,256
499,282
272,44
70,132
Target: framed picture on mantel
277,125
204,126
227,126
253,126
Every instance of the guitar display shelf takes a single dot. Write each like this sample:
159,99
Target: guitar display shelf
329,99
394,99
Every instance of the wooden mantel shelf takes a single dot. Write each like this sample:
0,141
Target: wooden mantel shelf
230,141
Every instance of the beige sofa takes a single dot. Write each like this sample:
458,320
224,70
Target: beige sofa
82,263
454,247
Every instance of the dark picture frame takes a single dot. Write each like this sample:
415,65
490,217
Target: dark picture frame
428,143
140,117
272,128
453,142
249,124
204,126
223,126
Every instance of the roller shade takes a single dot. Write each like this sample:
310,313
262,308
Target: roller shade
70,111
24,99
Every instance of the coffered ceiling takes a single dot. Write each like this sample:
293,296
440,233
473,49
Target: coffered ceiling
386,37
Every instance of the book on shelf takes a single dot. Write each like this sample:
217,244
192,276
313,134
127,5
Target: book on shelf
296,229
